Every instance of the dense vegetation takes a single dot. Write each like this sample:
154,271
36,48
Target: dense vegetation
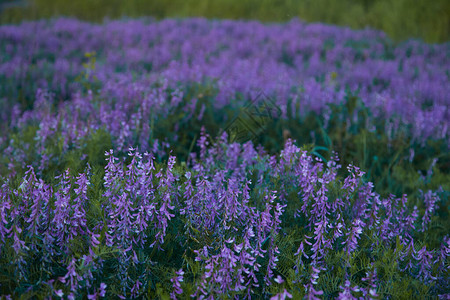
220,159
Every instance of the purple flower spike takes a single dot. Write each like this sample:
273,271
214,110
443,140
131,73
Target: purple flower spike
176,281
352,237
430,200
311,293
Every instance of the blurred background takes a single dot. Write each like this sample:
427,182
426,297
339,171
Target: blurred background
400,19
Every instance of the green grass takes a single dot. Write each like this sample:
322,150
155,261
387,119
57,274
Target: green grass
400,19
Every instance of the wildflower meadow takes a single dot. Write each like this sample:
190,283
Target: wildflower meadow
222,159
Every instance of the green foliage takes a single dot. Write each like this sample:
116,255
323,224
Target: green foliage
91,151
401,19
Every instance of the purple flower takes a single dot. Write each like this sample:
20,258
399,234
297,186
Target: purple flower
371,290
430,200
135,290
352,237
60,293
281,296
321,240
425,259
101,292
18,245
5,205
72,277
61,223
347,291
311,292
176,281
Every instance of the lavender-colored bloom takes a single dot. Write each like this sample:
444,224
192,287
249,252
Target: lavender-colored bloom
60,293
301,250
5,205
18,245
135,290
321,242
281,296
311,292
351,182
444,251
61,223
430,200
425,259
176,281
72,278
101,292
353,235
371,290
406,255
79,204
347,290
36,194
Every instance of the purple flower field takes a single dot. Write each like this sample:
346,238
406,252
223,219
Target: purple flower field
97,202
313,64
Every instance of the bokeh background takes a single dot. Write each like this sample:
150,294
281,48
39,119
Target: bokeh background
400,19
